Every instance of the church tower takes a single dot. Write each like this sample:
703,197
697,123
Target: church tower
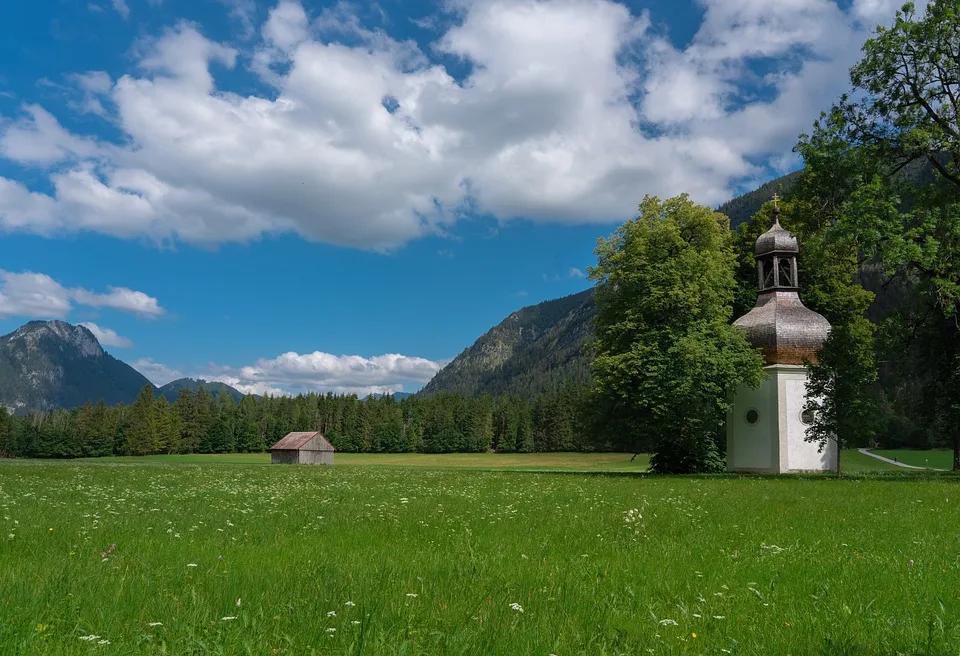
767,426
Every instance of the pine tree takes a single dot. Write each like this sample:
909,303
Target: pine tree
141,434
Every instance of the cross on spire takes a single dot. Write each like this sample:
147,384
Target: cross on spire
776,208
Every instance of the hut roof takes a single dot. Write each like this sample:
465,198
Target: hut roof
311,441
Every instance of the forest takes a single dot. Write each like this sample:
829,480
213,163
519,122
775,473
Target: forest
197,422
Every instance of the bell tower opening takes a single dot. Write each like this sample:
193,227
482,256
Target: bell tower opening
777,263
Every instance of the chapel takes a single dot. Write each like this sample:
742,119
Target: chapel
767,426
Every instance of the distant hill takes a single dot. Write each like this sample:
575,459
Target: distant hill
536,349
742,208
171,390
397,396
50,364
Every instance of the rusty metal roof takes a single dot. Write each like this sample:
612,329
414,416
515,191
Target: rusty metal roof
309,441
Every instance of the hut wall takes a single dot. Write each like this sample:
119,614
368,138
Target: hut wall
290,457
316,457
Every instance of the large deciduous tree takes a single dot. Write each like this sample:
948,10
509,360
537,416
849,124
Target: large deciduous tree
667,358
902,120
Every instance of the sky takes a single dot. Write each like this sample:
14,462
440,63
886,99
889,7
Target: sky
297,195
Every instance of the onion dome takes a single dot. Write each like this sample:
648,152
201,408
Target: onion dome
784,329
776,240
780,325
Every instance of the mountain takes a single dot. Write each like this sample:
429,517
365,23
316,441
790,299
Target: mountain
742,208
49,364
171,389
536,349
397,396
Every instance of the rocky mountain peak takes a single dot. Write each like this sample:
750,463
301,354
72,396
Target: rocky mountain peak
70,336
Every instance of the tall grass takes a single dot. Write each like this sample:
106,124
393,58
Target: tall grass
227,559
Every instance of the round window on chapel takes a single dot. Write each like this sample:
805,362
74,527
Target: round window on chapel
752,416
807,417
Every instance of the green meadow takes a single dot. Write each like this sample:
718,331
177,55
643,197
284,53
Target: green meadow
378,556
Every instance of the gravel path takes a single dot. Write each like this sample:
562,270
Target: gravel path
867,452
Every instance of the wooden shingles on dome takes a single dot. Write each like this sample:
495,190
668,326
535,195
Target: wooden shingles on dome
776,240
780,325
784,329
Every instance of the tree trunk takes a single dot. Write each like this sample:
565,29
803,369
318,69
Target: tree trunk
956,450
838,459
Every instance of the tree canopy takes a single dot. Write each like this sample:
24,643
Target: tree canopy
666,356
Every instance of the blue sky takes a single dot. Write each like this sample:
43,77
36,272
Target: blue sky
304,195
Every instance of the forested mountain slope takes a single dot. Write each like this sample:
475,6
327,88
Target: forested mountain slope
49,364
172,389
534,350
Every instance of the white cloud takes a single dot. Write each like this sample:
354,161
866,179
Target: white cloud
38,296
93,81
120,298
573,109
318,371
574,272
39,139
34,295
156,373
286,26
106,336
121,7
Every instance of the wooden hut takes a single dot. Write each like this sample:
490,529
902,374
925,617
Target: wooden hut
302,449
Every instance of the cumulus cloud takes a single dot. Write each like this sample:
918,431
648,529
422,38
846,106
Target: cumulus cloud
295,373
571,111
106,336
34,295
318,371
574,272
156,373
120,298
38,296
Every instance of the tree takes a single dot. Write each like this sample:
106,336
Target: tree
666,357
141,434
904,111
7,447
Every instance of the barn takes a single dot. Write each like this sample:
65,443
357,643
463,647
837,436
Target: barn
302,449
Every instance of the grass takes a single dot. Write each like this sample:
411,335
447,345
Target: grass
934,458
530,461
851,461
425,560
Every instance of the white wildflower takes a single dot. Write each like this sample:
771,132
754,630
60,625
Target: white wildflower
411,594
332,613
89,638
349,603
155,624
668,623
517,607
229,618
355,622
103,642
238,601
191,565
331,629
719,617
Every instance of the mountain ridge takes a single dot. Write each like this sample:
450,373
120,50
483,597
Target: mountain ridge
50,364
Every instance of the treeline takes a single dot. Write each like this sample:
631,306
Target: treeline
198,422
